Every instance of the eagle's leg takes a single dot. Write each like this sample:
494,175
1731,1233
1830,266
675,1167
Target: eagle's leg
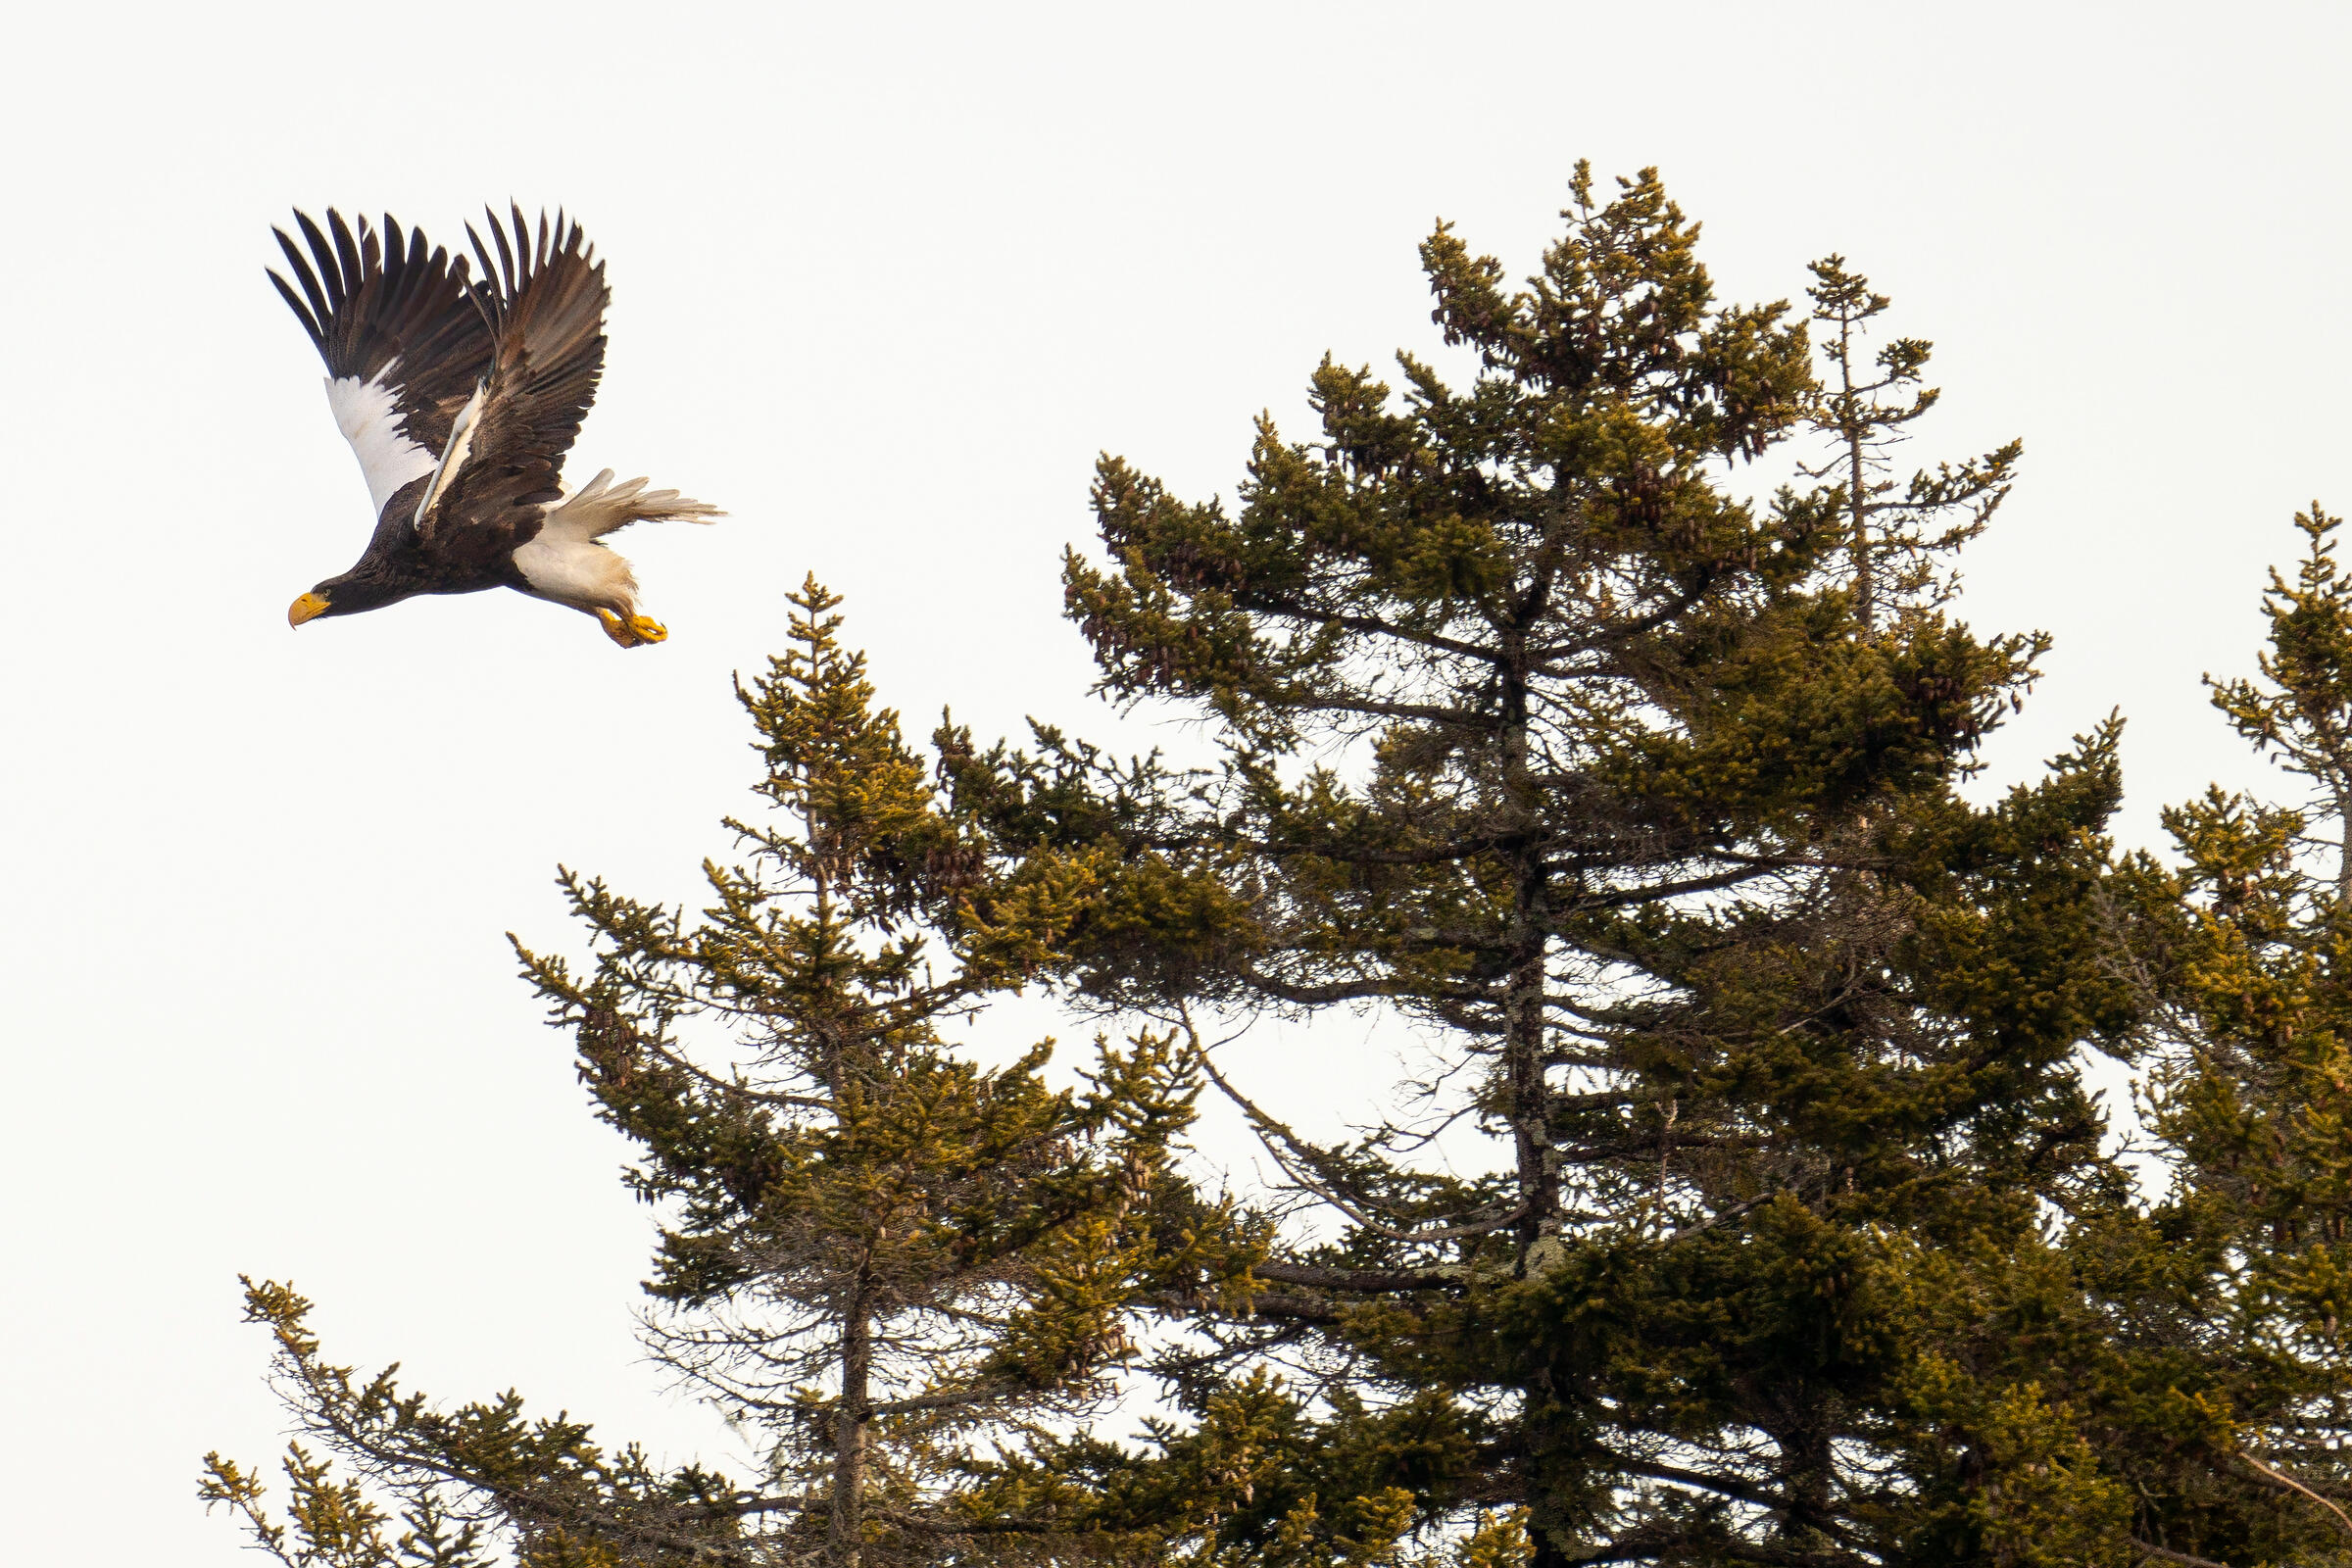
632,631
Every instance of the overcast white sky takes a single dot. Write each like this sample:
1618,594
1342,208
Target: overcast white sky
885,279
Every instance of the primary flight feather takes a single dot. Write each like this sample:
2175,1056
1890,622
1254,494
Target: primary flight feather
461,396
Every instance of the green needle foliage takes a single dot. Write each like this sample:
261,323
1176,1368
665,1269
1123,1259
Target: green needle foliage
2219,1349
1893,534
1636,797
889,1264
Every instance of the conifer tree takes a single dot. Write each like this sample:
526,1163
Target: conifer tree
2209,1346
1891,537
1634,798
884,1259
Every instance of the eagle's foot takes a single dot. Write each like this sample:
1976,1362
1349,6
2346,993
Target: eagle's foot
632,631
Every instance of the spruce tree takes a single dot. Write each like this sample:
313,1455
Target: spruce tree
2171,1360
1637,796
887,1261
2210,1325
1894,536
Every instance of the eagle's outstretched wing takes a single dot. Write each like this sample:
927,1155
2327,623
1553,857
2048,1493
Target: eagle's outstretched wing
545,307
404,338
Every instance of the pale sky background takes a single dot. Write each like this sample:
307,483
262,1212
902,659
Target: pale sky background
885,279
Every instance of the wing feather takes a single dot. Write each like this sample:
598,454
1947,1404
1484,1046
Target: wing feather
331,266
403,334
320,311
505,257
354,268
302,312
549,324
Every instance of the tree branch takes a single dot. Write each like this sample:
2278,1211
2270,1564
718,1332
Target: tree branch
2285,1480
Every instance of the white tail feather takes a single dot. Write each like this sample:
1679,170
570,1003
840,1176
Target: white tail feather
600,506
566,565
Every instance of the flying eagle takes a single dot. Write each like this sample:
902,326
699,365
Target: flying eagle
461,398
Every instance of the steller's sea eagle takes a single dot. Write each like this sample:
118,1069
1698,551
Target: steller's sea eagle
461,398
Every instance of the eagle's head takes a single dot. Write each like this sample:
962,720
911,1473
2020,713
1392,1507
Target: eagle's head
356,590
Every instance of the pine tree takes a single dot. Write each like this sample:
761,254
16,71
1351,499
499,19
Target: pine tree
885,1260
1642,808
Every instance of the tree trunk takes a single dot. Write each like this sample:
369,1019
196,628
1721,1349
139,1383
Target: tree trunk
1857,482
845,1535
2343,853
1808,1475
1539,1165
1539,1169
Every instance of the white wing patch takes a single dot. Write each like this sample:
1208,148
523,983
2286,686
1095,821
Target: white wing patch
369,416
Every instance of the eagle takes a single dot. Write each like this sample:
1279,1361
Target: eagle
461,396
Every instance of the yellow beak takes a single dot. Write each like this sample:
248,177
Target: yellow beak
309,607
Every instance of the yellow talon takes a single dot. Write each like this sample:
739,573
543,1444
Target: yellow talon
632,631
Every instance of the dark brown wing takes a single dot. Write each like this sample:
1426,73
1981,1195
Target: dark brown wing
386,307
548,315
